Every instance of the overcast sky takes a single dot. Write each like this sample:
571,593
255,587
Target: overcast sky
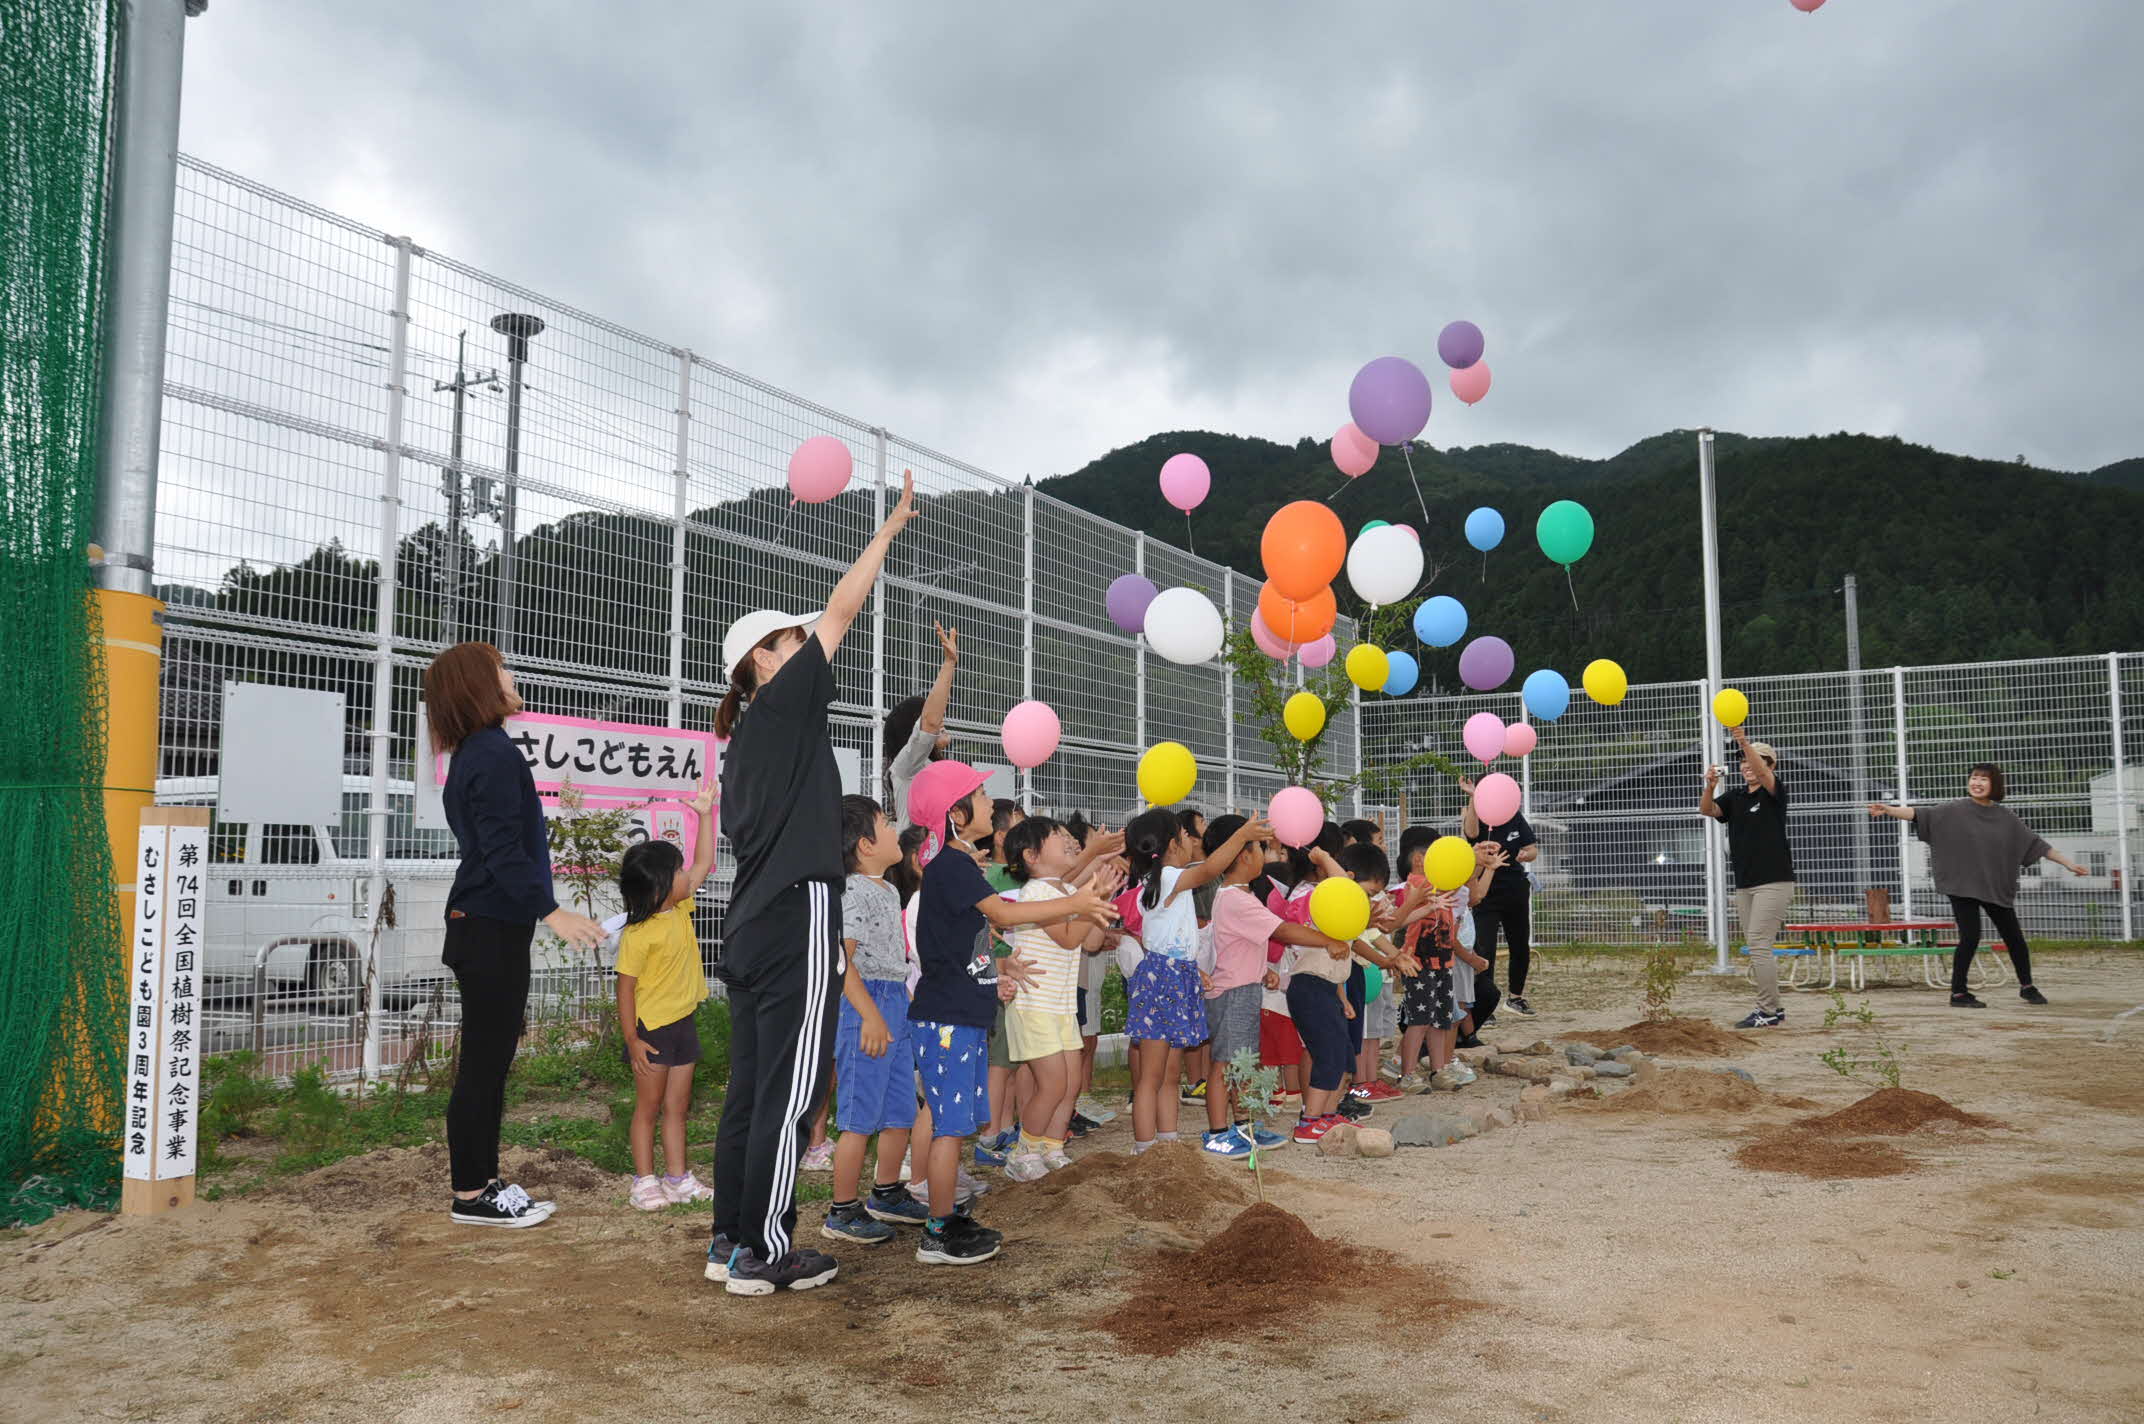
1026,235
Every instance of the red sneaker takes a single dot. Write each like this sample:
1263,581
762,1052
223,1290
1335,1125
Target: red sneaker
1310,1129
1379,1092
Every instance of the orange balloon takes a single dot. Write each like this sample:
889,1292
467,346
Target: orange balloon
1298,622
1304,548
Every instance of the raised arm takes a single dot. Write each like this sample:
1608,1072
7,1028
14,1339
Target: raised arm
1469,823
1214,866
940,697
854,590
1896,813
702,803
1765,776
1007,914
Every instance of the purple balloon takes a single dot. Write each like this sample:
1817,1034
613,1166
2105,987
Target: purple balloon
1129,594
1389,400
1460,345
1485,664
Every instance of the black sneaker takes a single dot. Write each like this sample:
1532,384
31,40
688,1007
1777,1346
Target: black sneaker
850,1222
500,1206
1082,1124
1965,1001
1353,1108
962,1243
1761,1019
719,1252
799,1270
1519,1006
2031,995
1468,1040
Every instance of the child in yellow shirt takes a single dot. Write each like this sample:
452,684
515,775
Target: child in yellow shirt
661,985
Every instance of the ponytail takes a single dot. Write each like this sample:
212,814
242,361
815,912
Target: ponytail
733,700
1146,851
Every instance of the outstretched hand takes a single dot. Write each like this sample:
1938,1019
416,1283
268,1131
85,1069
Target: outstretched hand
703,800
906,509
949,639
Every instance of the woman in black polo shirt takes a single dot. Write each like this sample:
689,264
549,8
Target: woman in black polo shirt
501,889
781,949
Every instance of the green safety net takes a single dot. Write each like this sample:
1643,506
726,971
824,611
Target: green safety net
62,979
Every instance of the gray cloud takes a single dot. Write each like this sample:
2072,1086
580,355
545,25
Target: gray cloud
1025,235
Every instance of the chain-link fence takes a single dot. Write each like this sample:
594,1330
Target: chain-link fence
601,505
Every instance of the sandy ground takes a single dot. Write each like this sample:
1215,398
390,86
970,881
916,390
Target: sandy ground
1606,1264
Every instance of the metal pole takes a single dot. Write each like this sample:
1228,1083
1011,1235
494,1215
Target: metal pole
1715,858
517,328
1139,654
878,632
1027,633
137,304
1228,691
450,559
680,507
1355,697
383,651
1905,794
1859,732
2121,795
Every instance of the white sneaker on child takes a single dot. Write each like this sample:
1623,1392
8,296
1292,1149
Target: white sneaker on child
648,1194
1056,1161
1026,1167
689,1189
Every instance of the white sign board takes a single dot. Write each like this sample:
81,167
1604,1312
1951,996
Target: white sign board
163,1092
281,755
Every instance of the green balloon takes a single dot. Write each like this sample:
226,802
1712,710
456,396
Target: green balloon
1565,531
1373,982
1376,524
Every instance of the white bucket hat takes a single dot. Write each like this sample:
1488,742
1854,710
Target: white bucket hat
755,628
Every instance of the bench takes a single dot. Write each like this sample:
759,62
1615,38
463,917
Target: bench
1933,942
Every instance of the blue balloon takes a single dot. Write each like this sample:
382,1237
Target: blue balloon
1405,672
1547,694
1440,621
1485,529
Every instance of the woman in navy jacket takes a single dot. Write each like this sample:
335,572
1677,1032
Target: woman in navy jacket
502,888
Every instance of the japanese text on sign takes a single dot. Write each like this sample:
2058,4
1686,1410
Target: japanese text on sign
163,1004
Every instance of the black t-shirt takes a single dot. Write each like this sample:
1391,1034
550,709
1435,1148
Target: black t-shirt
960,976
1514,836
1757,834
781,791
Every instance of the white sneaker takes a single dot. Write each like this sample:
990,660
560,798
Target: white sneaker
1026,1167
1094,1111
1464,1074
817,1159
967,1184
1056,1161
648,1194
692,1189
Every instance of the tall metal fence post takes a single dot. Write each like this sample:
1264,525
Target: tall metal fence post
383,650
2121,795
1139,656
1027,631
1905,791
681,508
874,756
1228,687
1715,843
1356,698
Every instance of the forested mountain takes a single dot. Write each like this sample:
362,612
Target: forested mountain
1957,559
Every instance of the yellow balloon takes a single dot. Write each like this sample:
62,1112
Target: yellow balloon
1605,682
1367,668
1731,707
1339,907
1449,863
1167,773
1305,716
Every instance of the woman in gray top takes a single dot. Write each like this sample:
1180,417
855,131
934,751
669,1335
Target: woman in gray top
1976,849
915,733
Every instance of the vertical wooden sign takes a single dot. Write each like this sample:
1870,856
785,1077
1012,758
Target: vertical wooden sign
163,1027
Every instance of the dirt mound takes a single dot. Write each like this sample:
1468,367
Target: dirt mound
1262,1270
1668,1038
1171,1183
1892,1112
1693,1090
417,1177
1826,1159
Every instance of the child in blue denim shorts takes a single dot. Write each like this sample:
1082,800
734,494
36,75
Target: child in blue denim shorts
873,1062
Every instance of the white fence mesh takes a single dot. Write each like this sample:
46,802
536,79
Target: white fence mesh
636,457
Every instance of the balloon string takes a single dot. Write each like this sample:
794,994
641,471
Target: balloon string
1569,585
1407,454
787,515
1485,566
1189,547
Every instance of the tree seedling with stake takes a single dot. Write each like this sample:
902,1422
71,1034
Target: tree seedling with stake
1254,1088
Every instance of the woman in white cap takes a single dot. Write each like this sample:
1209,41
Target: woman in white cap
781,951
1755,814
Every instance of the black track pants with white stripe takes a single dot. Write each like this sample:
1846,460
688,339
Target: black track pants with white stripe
783,971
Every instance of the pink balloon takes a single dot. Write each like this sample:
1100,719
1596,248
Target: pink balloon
1185,481
1269,643
1484,736
820,469
1353,451
1496,799
1808,7
1318,653
1297,815
1411,532
1030,734
1471,384
1520,739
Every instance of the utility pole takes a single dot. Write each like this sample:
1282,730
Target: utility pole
450,558
1860,737
517,328
1715,837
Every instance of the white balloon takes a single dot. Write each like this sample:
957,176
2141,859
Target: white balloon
1385,565
1183,626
